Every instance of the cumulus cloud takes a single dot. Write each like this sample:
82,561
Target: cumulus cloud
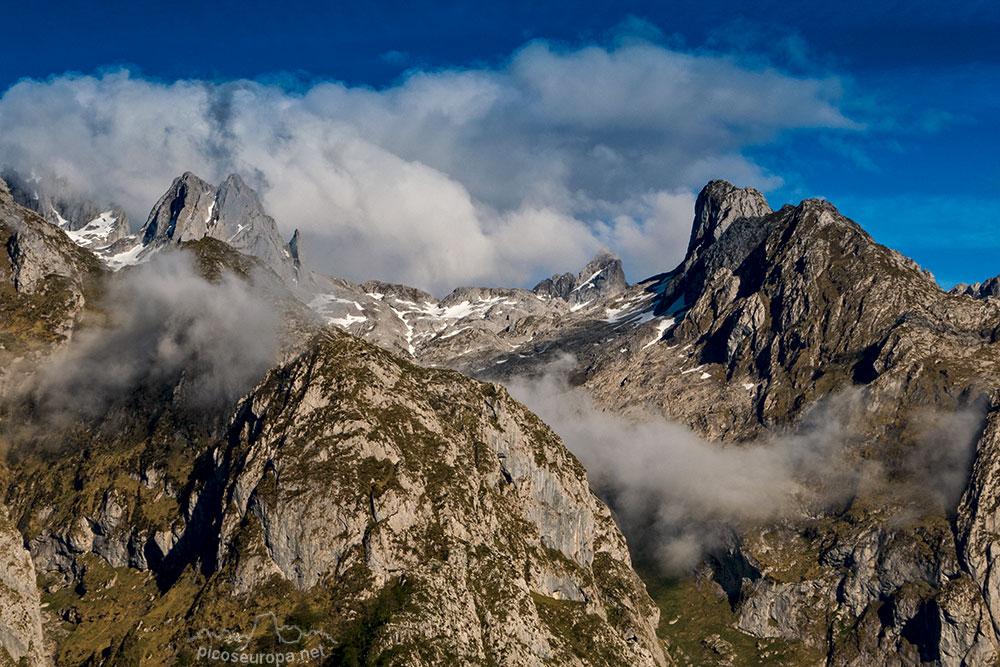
450,175
167,329
680,498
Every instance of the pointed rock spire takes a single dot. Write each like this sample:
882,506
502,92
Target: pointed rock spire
719,205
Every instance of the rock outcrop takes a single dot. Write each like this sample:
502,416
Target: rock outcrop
46,284
351,466
602,277
981,290
21,639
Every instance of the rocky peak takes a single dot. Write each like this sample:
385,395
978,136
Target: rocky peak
182,213
193,209
601,277
237,201
434,468
719,205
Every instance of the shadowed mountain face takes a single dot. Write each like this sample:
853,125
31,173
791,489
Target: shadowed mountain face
842,407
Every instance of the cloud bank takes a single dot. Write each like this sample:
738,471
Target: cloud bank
482,175
167,329
680,498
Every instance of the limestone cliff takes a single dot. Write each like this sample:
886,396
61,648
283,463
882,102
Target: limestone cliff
21,639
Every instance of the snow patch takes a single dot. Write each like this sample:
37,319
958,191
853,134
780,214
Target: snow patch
346,321
94,233
453,333
661,326
129,257
61,221
239,230
409,330
588,280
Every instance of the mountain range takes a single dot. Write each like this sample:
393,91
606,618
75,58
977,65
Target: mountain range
792,437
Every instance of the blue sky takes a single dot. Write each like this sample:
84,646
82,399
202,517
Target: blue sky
891,114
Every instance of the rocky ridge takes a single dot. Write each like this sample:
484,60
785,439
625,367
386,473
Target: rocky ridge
350,492
460,330
21,638
602,277
981,290
761,321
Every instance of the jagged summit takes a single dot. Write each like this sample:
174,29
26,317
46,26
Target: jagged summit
981,290
380,289
719,205
735,230
601,277
192,209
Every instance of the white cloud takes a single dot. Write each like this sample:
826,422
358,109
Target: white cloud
168,329
450,177
679,497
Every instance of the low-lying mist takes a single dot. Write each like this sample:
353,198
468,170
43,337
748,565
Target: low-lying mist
679,497
167,329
